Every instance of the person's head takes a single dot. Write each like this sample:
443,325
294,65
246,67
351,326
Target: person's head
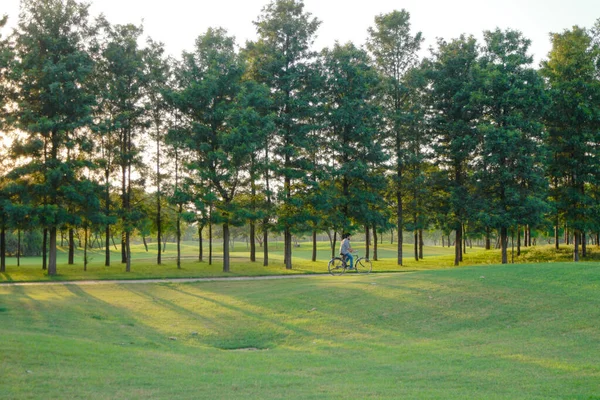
346,236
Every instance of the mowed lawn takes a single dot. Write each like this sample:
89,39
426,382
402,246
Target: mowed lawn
522,331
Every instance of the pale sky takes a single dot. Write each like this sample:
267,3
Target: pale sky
177,23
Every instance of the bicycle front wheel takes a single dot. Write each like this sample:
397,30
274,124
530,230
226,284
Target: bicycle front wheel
336,266
364,266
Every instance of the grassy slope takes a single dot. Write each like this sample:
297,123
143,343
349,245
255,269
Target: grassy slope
487,332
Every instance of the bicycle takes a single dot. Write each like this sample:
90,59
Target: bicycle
338,265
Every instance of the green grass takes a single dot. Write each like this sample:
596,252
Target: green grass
523,331
144,263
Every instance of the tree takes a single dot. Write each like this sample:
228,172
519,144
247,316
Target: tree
509,168
123,87
395,52
353,141
220,141
50,73
571,73
158,71
281,60
5,59
453,123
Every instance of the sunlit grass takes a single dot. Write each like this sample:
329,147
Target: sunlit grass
488,332
144,264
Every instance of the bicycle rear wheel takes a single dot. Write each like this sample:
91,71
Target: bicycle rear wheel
363,265
336,266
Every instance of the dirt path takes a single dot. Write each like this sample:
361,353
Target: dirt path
166,280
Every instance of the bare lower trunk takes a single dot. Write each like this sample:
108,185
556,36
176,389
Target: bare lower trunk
374,243
265,244
416,245
2,249
179,211
576,243
252,242
458,245
421,244
71,247
225,247
518,240
52,252
45,250
314,245
288,248
19,248
210,244
107,248
504,244
200,249
127,252
367,241
85,242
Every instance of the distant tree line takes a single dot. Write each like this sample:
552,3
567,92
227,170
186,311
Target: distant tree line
110,137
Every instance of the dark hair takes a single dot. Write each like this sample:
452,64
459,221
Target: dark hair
345,235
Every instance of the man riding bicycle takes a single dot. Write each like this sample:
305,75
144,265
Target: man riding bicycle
346,250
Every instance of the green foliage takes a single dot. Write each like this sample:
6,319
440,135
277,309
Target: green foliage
572,122
353,140
509,169
53,107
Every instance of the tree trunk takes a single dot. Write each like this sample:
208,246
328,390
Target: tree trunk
45,250
179,212
458,245
52,252
488,244
107,248
314,243
123,247
375,256
200,249
504,244
145,243
225,247
464,243
556,236
416,244
210,242
71,247
400,222
583,245
367,241
265,243
518,240
18,248
158,198
3,249
85,242
127,252
421,244
576,245
252,241
288,248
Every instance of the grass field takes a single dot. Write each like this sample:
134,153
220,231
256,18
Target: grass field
523,331
144,263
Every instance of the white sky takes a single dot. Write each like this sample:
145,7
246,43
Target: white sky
177,23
